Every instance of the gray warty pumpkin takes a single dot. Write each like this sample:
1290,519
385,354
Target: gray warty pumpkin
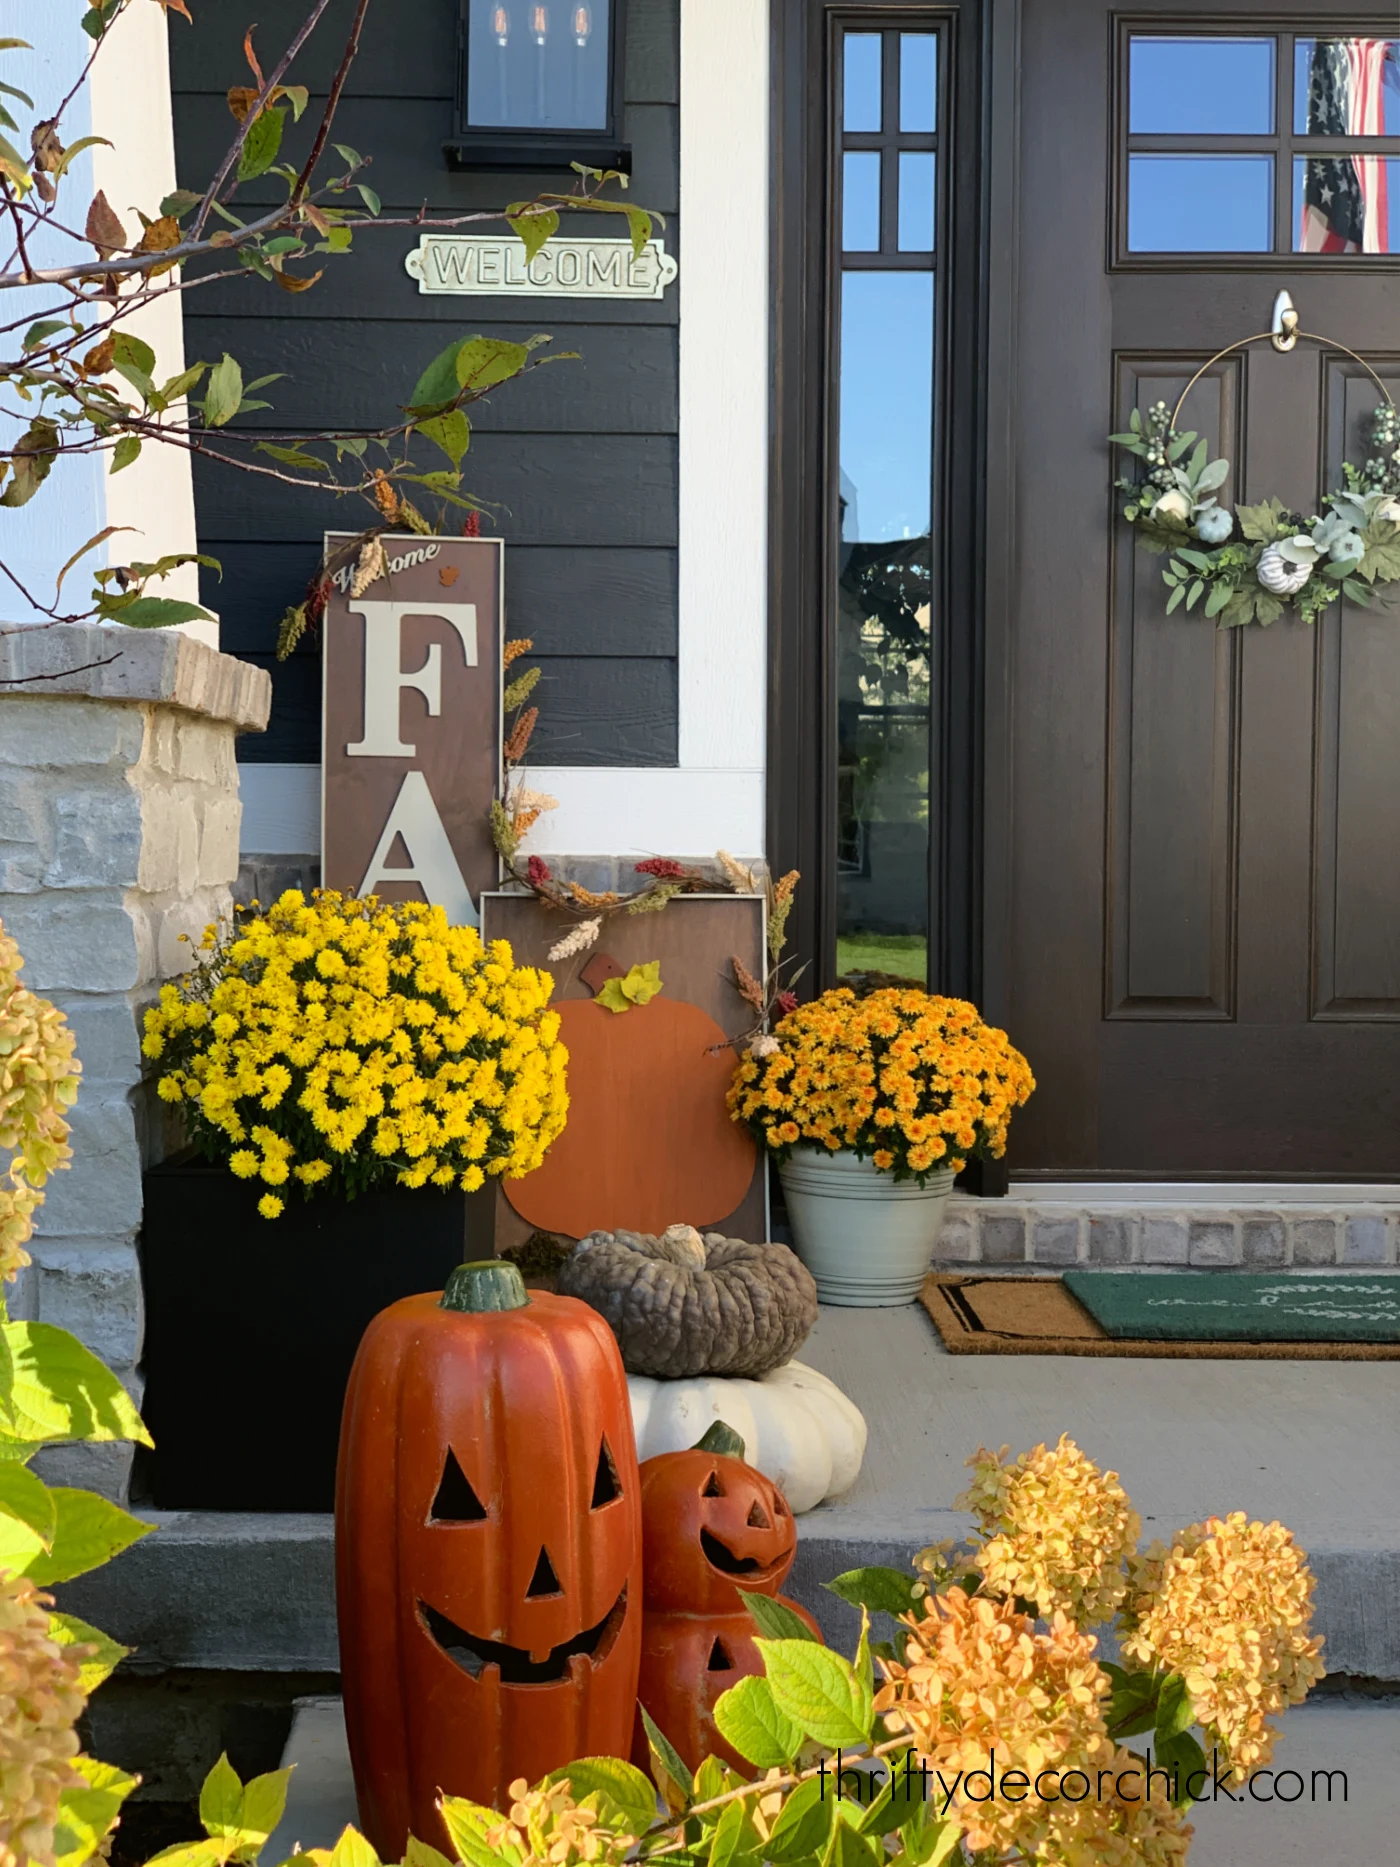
683,1305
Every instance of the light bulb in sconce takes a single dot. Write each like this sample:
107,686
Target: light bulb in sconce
500,25
583,26
539,23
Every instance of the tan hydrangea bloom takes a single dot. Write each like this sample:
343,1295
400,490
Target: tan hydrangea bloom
550,1829
40,1700
1228,1607
38,1080
1059,1531
979,1679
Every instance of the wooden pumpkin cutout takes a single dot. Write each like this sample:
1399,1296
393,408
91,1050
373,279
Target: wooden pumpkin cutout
711,1525
488,1575
648,1140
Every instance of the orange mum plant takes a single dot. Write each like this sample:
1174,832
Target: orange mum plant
915,1082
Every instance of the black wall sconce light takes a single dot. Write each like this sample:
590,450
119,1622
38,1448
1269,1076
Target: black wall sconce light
539,85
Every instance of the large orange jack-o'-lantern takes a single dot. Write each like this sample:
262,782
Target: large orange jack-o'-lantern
488,1573
711,1525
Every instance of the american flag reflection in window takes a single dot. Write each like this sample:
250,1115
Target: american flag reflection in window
1345,205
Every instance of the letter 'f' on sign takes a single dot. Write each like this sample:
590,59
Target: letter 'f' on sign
385,679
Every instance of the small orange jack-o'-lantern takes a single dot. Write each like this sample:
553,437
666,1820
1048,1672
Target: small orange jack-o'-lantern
488,1573
711,1526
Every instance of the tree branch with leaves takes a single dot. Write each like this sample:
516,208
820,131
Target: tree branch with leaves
77,380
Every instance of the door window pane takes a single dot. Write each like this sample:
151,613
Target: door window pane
1200,204
860,201
1346,204
883,621
537,66
1346,87
918,81
1192,87
916,215
860,52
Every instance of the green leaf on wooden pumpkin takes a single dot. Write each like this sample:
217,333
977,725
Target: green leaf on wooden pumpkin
636,987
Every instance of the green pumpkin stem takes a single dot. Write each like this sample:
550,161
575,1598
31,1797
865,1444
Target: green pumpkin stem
488,1284
722,1439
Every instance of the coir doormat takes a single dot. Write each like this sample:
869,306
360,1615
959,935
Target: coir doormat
1039,1316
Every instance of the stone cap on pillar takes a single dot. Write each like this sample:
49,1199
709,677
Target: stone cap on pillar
158,667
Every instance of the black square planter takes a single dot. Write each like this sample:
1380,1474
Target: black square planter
252,1325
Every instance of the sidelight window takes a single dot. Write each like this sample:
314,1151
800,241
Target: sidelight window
888,212
1271,143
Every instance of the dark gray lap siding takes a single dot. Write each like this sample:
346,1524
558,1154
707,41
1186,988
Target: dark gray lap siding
578,461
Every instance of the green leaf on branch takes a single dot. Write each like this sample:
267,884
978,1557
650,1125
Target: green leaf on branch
27,1518
451,431
776,1618
625,1796
39,333
88,1531
62,1391
482,362
1183,1755
127,450
819,1690
534,226
369,197
178,204
223,395
293,457
468,1825
727,1840
668,1768
420,1854
99,1665
262,144
31,462
882,1591
87,1815
748,1718
849,1848
802,1828
264,1799
1175,1712
150,612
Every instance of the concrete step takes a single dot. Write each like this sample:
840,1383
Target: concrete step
1344,1807
1314,1444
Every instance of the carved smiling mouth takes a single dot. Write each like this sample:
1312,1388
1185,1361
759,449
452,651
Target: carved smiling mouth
517,1666
721,1557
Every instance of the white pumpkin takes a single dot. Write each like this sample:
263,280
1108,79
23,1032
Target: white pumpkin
798,1428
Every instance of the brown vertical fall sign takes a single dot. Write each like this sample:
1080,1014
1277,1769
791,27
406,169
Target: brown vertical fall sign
411,724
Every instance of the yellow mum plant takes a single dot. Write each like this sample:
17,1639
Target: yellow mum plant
336,1044
915,1082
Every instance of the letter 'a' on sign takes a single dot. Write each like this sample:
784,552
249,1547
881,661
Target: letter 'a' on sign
431,861
411,722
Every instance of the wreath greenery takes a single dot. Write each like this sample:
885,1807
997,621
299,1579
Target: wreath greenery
1253,563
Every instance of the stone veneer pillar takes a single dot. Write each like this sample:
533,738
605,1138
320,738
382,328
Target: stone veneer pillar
119,821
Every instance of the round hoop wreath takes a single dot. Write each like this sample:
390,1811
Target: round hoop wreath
1252,563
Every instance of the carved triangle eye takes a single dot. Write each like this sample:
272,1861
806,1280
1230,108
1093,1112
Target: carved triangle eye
456,1502
606,1485
544,1581
712,1487
719,1660
758,1517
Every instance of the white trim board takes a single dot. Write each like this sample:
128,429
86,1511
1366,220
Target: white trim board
603,811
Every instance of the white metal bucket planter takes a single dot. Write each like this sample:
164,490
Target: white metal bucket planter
867,1241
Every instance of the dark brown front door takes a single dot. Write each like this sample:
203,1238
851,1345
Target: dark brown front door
1201,827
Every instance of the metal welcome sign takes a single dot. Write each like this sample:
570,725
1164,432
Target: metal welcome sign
470,265
411,723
